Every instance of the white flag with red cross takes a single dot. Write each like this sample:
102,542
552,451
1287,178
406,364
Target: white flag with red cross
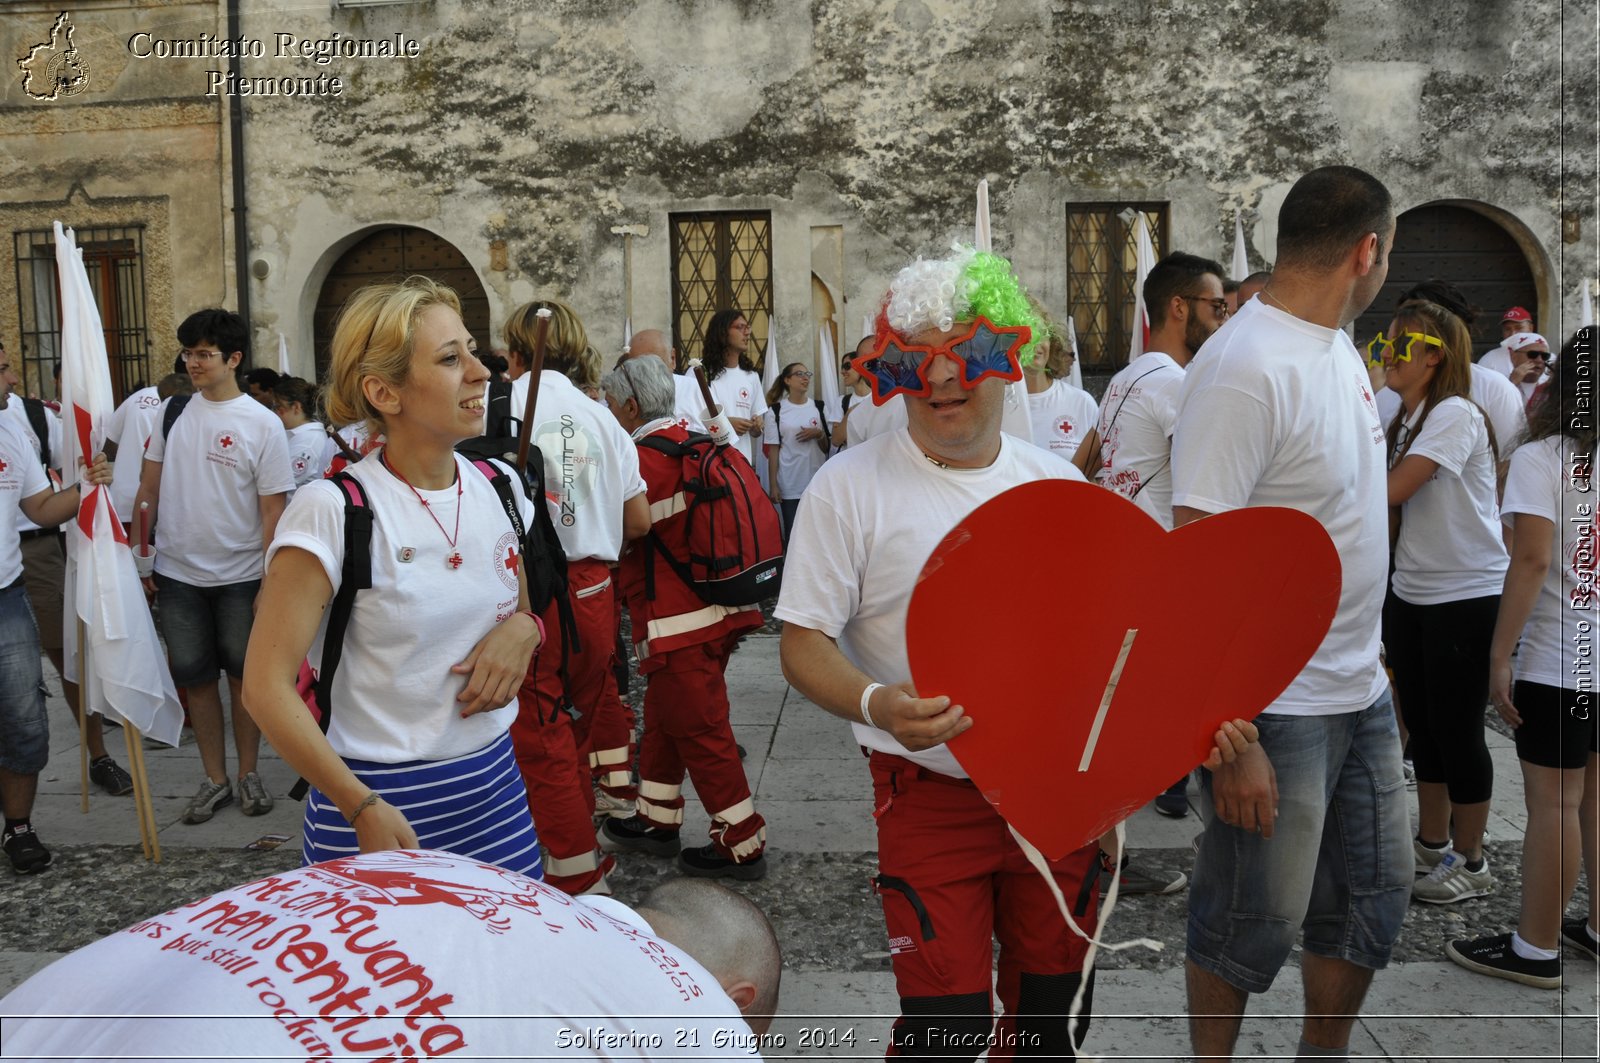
127,677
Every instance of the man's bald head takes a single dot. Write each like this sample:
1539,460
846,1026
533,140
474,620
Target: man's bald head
727,935
652,341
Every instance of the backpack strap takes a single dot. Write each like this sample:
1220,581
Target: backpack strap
175,406
40,425
500,480
355,575
825,442
502,487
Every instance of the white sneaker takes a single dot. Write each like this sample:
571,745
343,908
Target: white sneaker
1450,881
1427,858
615,807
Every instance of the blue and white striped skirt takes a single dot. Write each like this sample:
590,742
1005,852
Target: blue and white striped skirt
474,805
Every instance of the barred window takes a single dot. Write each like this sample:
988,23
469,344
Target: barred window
720,261
1101,270
114,259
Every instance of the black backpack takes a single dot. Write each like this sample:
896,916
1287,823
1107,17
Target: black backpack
826,442
501,427
547,573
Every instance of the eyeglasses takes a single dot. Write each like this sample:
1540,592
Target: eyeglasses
1541,355
198,355
983,351
801,372
739,326
1218,305
1381,348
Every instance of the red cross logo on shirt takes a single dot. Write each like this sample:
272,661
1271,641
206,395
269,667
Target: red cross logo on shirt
226,442
1064,426
3,465
511,562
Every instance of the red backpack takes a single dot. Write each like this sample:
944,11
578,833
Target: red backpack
734,536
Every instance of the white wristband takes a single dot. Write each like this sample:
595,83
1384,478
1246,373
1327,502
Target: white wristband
866,698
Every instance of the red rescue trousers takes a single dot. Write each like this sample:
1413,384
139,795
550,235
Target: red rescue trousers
551,746
611,748
952,880
686,728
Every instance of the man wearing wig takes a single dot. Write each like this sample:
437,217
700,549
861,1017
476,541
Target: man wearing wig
949,335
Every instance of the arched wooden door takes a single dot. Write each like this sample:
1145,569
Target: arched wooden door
1453,243
391,255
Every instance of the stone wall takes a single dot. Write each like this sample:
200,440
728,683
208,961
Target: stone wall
543,124
133,144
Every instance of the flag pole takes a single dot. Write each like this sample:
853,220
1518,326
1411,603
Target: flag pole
83,711
143,805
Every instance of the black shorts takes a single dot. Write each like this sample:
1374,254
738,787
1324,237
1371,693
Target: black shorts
1558,726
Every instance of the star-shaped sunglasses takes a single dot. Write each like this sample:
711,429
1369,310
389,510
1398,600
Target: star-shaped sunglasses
1382,347
983,350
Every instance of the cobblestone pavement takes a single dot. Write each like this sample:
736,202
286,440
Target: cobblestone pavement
812,786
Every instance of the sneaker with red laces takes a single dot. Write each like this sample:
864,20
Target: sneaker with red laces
27,853
707,862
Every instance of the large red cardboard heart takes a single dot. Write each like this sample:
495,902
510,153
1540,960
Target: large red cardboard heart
1027,637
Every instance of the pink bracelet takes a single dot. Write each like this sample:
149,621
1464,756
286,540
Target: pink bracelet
536,622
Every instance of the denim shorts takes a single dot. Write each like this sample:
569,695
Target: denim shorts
1339,863
205,628
24,727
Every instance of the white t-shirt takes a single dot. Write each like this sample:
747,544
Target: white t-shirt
689,406
1061,416
394,694
21,476
219,460
1498,360
1498,397
1503,402
310,452
1276,411
130,429
867,420
738,394
19,420
591,466
1136,424
798,460
1540,483
1450,547
872,516
404,954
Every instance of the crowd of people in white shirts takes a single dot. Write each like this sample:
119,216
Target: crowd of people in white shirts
1492,551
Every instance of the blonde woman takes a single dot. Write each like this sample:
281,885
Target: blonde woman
418,752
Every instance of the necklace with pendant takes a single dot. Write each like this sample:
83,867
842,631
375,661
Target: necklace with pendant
454,559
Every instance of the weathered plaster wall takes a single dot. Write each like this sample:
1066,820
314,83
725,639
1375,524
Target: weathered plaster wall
139,144
545,123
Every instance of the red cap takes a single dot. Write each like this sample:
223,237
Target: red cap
1516,313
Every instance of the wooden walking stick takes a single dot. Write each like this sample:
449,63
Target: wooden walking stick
345,450
541,331
718,426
